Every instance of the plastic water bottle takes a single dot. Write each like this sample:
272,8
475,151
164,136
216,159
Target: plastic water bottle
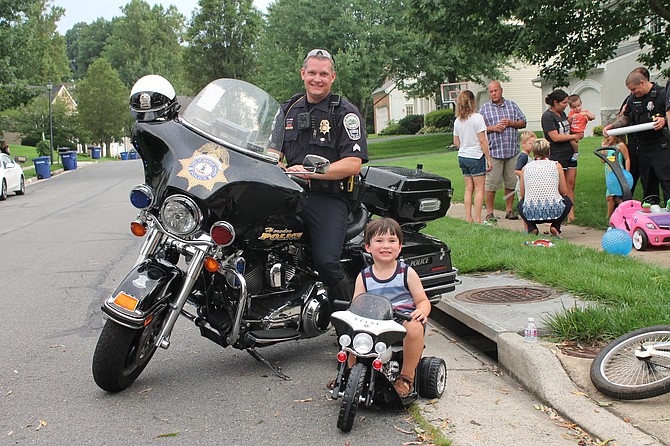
530,333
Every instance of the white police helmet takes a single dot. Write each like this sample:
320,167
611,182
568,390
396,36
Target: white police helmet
152,98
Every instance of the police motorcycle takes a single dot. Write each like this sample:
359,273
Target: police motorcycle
369,331
224,245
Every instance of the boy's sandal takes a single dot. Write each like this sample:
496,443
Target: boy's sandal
403,385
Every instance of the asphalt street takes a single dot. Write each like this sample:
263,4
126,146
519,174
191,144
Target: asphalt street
65,246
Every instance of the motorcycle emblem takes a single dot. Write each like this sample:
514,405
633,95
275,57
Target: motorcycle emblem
141,281
206,167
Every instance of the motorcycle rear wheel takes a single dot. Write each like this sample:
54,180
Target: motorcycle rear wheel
351,398
618,373
122,353
432,377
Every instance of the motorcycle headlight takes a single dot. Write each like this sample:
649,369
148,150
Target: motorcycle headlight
363,343
181,215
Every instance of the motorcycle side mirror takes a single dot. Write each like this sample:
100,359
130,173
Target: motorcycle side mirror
316,164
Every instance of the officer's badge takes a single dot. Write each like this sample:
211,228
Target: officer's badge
206,167
145,101
353,126
650,105
324,126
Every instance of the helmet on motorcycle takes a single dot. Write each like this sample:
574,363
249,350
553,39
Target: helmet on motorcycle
152,98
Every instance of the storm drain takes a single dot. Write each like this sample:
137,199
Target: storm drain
506,295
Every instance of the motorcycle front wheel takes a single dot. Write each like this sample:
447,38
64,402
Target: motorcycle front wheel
619,373
351,398
122,353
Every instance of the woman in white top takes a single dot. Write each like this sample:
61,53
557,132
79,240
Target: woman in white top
543,191
474,158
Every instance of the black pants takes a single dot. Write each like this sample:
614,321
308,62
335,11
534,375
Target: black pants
532,224
326,218
655,169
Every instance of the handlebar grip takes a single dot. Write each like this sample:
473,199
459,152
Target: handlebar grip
341,305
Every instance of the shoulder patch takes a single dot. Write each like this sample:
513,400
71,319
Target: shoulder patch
353,126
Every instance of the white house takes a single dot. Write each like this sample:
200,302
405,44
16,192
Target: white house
392,104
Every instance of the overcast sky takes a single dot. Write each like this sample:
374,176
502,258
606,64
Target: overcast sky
88,11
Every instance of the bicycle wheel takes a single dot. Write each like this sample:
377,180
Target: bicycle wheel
619,373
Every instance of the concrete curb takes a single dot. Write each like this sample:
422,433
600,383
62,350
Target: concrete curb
538,370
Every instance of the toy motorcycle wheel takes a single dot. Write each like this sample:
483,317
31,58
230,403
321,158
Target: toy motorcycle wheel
432,377
640,240
628,367
351,398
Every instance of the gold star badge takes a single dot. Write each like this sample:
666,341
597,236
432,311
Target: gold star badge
206,167
324,126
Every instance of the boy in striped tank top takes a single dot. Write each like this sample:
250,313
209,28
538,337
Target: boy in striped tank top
401,285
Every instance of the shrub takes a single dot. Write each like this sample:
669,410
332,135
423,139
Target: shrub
43,148
392,129
410,124
441,118
598,130
430,129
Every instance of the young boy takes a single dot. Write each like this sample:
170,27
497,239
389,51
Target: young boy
401,285
527,139
578,119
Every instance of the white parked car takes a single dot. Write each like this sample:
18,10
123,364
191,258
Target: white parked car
11,177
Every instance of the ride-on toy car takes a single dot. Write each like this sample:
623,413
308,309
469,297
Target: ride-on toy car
646,221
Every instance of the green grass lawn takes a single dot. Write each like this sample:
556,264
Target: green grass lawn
629,293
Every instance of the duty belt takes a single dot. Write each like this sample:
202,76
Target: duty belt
326,186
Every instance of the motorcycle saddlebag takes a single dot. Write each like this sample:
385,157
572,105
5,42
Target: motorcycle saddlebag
406,195
431,259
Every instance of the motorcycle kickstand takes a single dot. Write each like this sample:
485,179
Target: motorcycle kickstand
277,370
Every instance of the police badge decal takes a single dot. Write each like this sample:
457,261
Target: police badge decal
353,126
206,167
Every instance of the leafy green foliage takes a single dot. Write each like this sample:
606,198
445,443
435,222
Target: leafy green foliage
85,43
410,124
441,118
222,38
146,40
103,103
559,36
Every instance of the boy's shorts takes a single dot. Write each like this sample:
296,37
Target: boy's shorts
472,167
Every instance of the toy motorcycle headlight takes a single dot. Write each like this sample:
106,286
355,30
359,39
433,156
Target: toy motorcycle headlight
363,343
181,215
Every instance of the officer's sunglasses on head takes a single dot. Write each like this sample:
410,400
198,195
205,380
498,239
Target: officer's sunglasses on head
317,51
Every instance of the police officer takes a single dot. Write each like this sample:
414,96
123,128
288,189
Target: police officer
320,123
647,103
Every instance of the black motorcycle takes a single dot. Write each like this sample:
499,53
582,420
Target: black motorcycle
224,244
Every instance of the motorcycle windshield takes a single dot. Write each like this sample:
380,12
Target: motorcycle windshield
238,115
372,306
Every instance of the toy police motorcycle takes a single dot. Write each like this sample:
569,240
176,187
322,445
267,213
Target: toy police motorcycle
224,245
368,330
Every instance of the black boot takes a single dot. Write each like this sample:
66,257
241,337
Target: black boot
342,292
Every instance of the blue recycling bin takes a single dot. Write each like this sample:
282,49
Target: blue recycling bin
133,155
124,155
42,167
96,152
69,160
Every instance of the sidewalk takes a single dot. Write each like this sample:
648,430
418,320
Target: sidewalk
560,381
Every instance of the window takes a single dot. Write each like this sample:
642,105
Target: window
409,109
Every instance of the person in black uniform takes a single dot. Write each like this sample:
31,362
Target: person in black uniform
320,123
647,103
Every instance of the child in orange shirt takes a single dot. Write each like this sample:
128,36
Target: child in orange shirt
578,119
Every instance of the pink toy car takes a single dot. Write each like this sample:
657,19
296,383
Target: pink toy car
645,221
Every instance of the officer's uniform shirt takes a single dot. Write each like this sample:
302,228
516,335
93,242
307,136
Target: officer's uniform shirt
642,110
333,137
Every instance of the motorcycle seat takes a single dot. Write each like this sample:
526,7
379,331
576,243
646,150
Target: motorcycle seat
358,218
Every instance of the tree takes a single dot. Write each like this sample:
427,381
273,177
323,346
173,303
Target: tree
85,43
31,50
103,103
32,121
146,40
561,36
221,41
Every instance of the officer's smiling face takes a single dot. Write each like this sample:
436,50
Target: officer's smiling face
318,76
